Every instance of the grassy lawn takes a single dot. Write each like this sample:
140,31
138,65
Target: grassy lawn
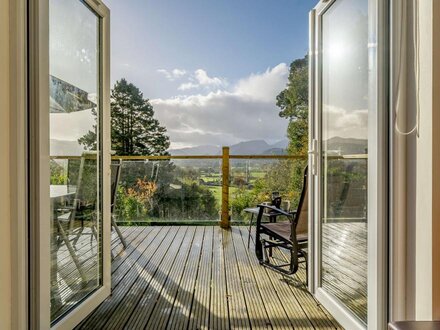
217,191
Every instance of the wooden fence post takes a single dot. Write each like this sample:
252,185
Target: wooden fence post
225,220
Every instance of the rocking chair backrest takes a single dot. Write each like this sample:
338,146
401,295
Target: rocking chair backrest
302,215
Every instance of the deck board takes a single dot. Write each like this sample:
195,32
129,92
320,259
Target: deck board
130,274
200,305
192,277
345,264
219,306
149,298
165,297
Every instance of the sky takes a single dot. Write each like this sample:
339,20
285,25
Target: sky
211,69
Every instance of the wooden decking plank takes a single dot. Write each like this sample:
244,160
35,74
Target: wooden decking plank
134,253
256,305
296,284
63,253
199,314
166,300
154,308
180,313
238,310
130,303
308,303
74,290
68,277
203,278
131,248
341,238
146,304
140,258
344,273
219,311
119,252
284,311
85,253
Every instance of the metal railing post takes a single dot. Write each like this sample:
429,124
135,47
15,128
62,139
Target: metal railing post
225,220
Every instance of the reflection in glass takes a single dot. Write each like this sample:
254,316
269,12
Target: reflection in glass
344,149
75,176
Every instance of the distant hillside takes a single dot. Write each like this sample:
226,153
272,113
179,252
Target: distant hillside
275,151
199,150
252,147
283,144
347,146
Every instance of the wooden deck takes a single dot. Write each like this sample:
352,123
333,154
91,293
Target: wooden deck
194,277
344,259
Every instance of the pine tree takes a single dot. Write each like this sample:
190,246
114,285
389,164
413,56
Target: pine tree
134,129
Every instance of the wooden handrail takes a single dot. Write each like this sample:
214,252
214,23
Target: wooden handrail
169,157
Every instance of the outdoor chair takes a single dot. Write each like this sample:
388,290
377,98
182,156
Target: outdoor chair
291,235
115,175
70,219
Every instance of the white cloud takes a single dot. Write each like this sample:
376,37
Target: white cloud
201,79
246,112
264,86
173,74
345,123
187,86
205,80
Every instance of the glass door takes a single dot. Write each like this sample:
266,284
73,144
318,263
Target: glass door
72,153
348,154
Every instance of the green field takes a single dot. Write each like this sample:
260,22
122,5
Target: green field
217,191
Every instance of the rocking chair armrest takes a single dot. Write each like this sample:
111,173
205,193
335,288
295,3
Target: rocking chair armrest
280,211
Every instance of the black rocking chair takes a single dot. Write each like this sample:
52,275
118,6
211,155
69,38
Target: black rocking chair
290,235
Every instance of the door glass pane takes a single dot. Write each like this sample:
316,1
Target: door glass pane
75,167
344,149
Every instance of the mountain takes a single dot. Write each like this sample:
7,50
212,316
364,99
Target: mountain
252,147
283,144
199,150
347,145
337,145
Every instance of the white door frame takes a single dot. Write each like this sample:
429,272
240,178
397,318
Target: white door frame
378,154
39,166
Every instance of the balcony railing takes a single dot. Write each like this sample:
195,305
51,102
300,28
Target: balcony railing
210,188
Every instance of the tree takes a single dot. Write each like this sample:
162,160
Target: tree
293,102
134,129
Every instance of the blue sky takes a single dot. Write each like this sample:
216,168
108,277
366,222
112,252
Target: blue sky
212,69
229,39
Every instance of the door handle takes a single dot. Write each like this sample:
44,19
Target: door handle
313,152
